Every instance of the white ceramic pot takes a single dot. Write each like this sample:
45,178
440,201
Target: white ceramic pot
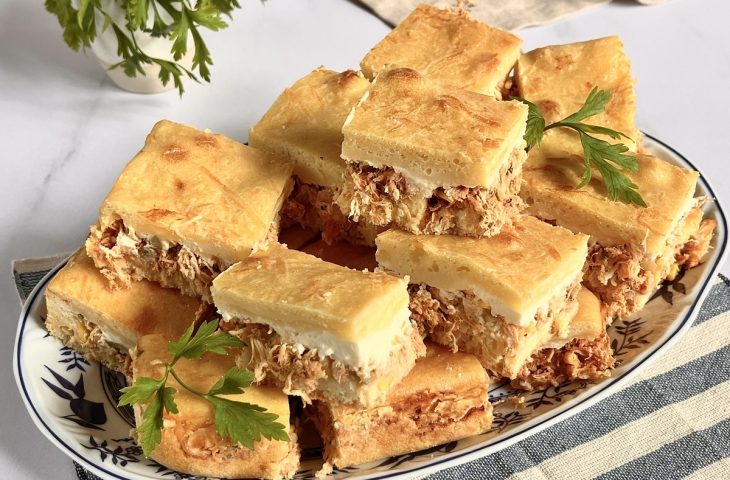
105,50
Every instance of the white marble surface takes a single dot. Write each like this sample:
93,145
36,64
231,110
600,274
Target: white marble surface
66,131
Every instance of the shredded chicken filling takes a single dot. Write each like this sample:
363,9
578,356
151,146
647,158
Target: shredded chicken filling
462,321
313,206
383,196
87,338
123,256
623,277
303,371
615,274
691,253
577,360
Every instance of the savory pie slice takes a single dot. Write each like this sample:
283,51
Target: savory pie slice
633,249
497,298
432,159
190,443
316,329
558,79
189,205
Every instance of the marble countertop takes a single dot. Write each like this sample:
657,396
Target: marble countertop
66,131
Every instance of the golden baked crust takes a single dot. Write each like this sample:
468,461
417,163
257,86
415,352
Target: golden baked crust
102,323
305,122
190,443
141,309
558,79
450,47
432,134
288,289
519,269
444,398
550,193
204,191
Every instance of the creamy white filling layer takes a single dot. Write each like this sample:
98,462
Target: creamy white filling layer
369,352
128,239
523,316
117,340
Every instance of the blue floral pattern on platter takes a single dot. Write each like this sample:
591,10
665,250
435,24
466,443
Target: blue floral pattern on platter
73,401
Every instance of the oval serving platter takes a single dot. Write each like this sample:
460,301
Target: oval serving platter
73,401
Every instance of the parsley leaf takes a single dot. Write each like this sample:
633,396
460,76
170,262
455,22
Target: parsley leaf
234,381
168,400
242,422
535,124
606,157
206,339
594,104
619,187
179,35
175,348
149,433
137,11
68,17
586,128
141,391
245,423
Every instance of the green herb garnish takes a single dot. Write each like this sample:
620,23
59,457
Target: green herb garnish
241,422
172,19
606,157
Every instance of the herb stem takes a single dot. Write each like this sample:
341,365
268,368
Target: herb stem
183,384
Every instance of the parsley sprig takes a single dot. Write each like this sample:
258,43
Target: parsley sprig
172,19
242,422
606,157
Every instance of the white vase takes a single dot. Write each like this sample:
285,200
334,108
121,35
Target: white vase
105,50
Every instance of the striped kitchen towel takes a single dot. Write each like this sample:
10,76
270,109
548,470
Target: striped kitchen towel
506,15
671,421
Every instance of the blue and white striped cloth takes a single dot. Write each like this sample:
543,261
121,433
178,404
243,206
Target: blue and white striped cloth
671,421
